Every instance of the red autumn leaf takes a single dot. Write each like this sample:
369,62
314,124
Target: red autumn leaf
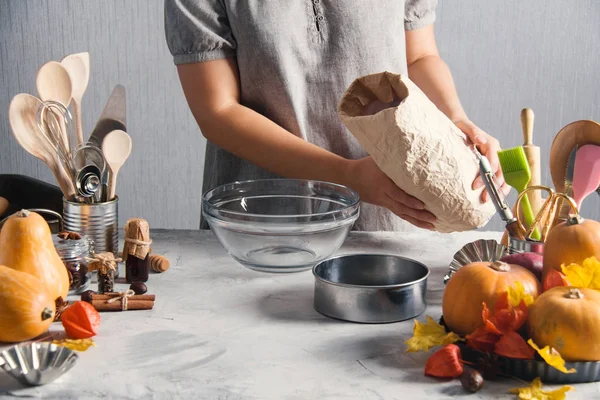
445,363
483,340
511,344
554,278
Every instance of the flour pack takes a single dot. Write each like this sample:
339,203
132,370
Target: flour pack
418,147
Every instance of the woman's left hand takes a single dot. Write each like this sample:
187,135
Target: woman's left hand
489,146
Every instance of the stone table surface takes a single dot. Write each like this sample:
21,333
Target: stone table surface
221,331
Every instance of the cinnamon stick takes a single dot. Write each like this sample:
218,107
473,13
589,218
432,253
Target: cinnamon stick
141,297
102,305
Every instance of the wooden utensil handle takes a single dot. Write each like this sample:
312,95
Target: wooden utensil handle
527,118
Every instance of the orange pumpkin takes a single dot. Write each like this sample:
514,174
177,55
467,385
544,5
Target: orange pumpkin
26,245
480,282
568,320
26,306
571,241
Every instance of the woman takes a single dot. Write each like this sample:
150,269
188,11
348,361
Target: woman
263,79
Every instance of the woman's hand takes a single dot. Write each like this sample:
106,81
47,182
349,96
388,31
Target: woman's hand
489,147
375,187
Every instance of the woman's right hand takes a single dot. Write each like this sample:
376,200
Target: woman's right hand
375,187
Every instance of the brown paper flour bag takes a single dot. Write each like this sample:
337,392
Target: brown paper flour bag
418,147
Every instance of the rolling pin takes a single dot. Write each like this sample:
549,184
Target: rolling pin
533,159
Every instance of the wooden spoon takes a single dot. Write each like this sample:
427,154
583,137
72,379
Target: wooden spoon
54,83
22,116
78,67
116,147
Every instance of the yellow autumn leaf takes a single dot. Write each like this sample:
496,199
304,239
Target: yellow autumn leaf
534,392
517,293
552,357
75,344
429,334
586,275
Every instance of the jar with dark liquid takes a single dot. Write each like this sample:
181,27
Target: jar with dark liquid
136,269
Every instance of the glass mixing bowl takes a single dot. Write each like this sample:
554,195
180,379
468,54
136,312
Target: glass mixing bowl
281,225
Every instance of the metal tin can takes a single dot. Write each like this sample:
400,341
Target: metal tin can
99,222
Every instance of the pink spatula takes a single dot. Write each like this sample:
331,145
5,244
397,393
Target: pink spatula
586,177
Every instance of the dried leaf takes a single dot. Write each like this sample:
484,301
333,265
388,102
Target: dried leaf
586,275
483,340
552,357
535,392
75,344
511,344
61,306
445,363
517,294
429,334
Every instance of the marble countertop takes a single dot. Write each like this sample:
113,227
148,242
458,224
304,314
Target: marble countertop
221,331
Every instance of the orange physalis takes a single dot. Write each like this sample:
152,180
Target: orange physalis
506,319
81,320
445,363
511,344
554,278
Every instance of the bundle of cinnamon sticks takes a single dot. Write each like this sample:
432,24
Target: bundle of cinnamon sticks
116,302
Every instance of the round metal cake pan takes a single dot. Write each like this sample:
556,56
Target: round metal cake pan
370,288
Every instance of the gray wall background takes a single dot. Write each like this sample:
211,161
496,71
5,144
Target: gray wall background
504,55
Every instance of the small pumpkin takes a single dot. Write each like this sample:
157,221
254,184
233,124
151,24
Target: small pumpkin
567,319
26,306
571,241
26,245
480,282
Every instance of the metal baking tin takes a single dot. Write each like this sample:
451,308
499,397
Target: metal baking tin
479,250
586,371
521,246
370,288
36,364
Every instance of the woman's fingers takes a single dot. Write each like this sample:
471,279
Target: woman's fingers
418,223
400,196
418,217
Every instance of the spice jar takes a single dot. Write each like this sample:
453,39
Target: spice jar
74,250
136,250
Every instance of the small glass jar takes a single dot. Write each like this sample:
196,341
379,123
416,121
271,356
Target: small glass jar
74,254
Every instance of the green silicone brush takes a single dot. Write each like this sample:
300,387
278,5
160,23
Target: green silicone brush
517,174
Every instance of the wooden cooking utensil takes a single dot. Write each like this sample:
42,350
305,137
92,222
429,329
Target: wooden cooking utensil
22,116
532,153
78,67
576,133
116,147
54,83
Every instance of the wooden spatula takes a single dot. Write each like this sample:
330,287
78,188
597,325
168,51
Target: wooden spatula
116,147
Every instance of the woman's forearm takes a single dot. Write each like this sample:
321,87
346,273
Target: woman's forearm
212,92
255,138
433,76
